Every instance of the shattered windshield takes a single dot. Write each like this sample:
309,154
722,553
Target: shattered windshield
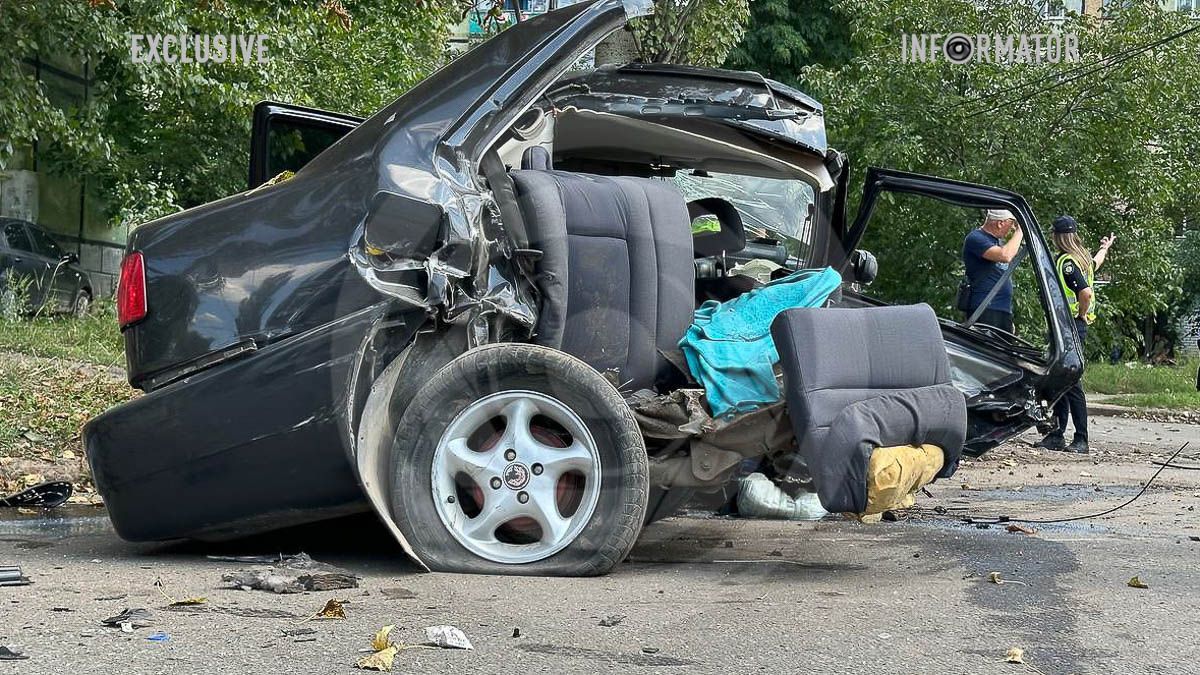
770,208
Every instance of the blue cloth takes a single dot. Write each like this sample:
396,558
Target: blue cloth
984,273
729,348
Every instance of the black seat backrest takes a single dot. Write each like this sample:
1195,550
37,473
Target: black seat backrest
617,272
861,378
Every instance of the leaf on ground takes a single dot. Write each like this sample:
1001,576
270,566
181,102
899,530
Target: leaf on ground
1021,528
197,600
380,660
1135,582
334,609
1015,655
381,640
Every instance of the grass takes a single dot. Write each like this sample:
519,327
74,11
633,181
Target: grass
1143,386
55,374
92,339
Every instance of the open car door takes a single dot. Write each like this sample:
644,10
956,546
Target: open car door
286,137
1010,383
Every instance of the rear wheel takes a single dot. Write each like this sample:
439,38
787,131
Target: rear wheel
82,304
518,459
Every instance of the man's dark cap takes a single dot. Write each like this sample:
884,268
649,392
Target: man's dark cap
1065,225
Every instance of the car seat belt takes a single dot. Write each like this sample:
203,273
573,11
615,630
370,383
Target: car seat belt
1012,267
505,195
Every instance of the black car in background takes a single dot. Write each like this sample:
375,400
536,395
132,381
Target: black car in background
35,269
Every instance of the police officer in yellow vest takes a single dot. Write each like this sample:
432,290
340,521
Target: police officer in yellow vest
1077,275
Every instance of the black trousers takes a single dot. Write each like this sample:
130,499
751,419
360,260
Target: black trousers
996,318
1073,402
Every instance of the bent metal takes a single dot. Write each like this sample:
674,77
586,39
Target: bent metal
197,48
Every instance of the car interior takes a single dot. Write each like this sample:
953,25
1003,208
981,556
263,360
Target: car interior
617,213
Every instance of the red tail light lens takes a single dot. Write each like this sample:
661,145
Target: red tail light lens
131,290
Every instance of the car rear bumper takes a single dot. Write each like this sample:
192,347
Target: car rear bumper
250,445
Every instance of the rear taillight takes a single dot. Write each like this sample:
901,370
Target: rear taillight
131,290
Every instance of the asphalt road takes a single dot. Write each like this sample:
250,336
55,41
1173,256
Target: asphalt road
697,595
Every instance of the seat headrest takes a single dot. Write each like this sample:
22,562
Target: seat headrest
536,158
730,238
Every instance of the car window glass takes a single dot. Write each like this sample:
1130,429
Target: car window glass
14,232
45,244
772,208
291,145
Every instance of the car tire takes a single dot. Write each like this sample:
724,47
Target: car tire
666,502
460,466
82,304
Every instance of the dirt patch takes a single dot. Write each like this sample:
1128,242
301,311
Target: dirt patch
44,404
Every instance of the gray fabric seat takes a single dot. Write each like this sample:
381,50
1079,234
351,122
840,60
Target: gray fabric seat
616,272
861,378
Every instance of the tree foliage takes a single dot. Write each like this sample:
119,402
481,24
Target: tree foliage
1116,148
155,137
784,36
695,32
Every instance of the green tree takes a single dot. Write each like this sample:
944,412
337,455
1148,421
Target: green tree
695,32
155,137
1116,147
784,36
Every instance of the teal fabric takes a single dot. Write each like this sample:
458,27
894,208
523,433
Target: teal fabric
729,348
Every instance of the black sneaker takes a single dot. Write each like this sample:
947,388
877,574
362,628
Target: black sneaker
1052,441
1078,446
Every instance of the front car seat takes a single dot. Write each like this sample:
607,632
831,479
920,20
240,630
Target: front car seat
616,272
859,379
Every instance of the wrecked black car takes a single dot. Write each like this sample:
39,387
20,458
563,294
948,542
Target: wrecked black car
466,312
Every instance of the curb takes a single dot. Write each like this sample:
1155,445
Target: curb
1110,410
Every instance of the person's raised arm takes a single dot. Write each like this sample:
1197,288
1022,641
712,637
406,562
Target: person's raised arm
1105,244
1008,251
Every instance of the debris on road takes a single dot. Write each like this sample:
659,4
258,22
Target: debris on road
398,593
1015,655
610,621
516,632
994,577
276,559
447,637
1021,528
43,495
10,654
294,574
1135,582
333,609
380,660
160,636
11,576
128,619
297,632
758,497
172,602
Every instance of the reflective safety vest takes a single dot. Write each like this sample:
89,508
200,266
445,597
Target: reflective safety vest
1072,301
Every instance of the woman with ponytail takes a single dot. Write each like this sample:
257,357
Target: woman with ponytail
1076,274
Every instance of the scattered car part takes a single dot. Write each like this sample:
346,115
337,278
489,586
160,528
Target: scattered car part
7,653
447,637
44,495
758,497
11,576
129,618
845,408
295,574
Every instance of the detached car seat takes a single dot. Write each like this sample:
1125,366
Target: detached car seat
861,379
616,271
